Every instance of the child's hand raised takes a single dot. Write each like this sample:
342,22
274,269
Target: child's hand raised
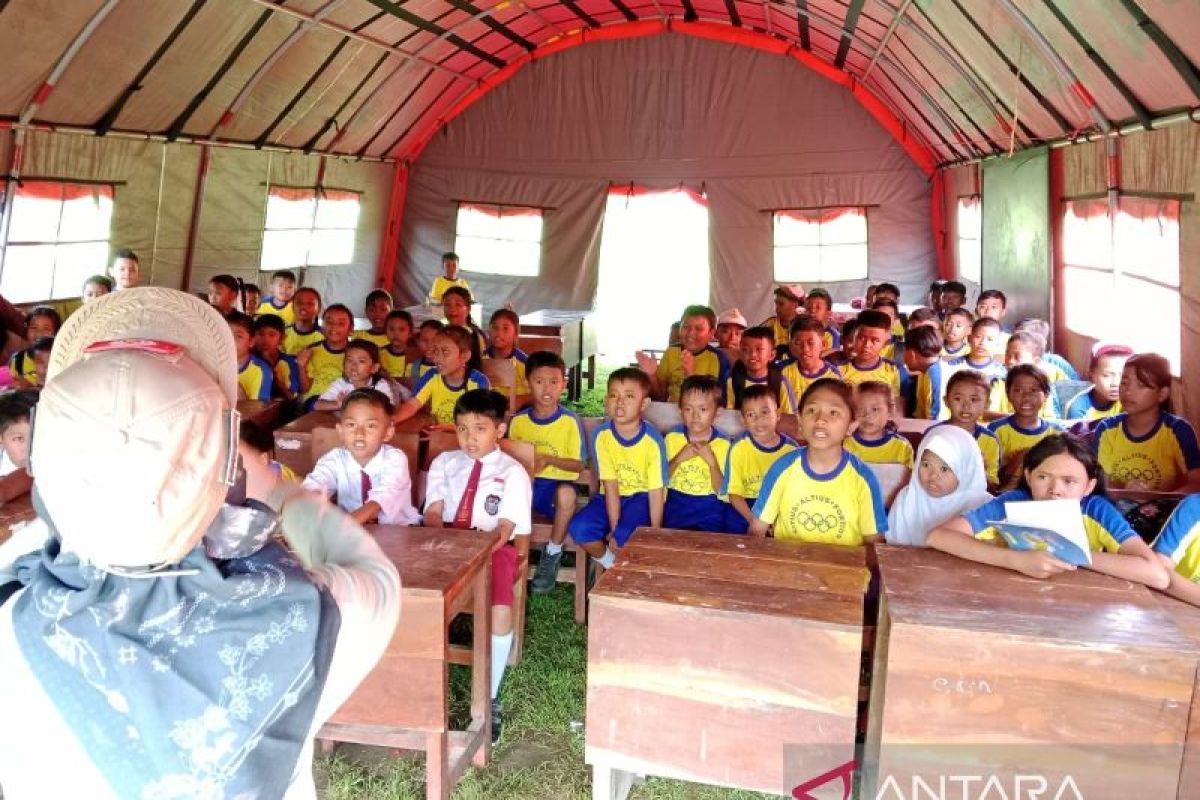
646,362
304,356
688,360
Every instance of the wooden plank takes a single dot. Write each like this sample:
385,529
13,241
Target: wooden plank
268,414
1187,617
773,549
14,512
438,561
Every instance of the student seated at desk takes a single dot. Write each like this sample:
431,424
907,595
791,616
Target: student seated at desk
395,355
966,399
224,291
42,322
871,335
922,354
377,307
255,376
819,305
956,327
503,328
789,297
808,363
875,439
457,372
279,302
251,299
370,478
821,493
696,451
360,370
982,341
694,355
15,414
1056,468
1026,389
949,481
1057,367
841,358
456,305
481,487
448,278
631,462
755,367
323,362
33,360
304,330
1178,547
731,325
1025,348
1103,398
751,456
288,381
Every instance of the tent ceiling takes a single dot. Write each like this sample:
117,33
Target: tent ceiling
373,77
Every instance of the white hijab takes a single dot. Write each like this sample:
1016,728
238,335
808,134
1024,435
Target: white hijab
915,512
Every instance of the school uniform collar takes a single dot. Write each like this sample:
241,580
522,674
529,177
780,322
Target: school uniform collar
388,347
821,370
637,437
470,373
1144,437
1041,428
375,465
491,459
782,441
823,476
328,349
887,435
713,433
558,412
271,302
878,363
967,360
296,330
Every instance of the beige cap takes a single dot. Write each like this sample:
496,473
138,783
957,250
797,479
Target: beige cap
733,316
792,291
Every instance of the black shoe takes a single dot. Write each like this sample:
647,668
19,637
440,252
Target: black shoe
547,572
497,720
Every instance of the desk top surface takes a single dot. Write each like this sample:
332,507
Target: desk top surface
927,588
19,509
554,316
740,574
438,561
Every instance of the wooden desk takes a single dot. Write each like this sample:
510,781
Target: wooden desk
708,653
1187,617
580,338
14,512
983,671
405,701
268,414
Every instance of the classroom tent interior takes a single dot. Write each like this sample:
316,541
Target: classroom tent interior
1047,148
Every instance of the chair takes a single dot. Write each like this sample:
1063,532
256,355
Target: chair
532,344
891,479
502,375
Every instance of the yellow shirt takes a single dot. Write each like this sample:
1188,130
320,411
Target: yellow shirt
1180,538
380,339
441,283
287,374
693,476
518,359
796,381
931,390
782,334
324,368
891,448
709,361
998,402
395,365
284,312
637,464
560,435
748,462
255,377
1015,441
1106,529
1161,459
882,370
433,391
294,341
731,391
21,365
842,506
962,351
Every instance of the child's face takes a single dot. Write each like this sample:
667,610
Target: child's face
41,363
504,334
267,341
91,291
425,341
1059,477
760,415
221,296
1137,396
1106,376
869,343
729,335
1026,396
886,293
935,475
305,308
625,402
450,268
952,300
817,308
698,410
955,329
990,307
252,302
337,327
125,273
983,340
447,356
284,290
399,333
455,309
1017,353
15,441
825,420
363,428
756,355
477,434
871,411
806,347
241,342
39,327
377,311
695,333
546,384
357,366
966,402
785,307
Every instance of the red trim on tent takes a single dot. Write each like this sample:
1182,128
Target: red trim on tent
391,233
937,217
637,190
1058,312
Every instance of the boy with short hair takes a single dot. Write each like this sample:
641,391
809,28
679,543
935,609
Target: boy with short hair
731,325
819,305
253,298
751,455
993,304
1102,398
255,376
982,342
481,487
696,452
934,298
426,334
377,307
966,399
395,354
304,330
954,295
889,307
503,328
956,327
807,345
694,355
15,415
279,303
448,278
223,293
322,362
871,335
1025,347
631,461
369,477
841,358
557,436
755,367
922,353
788,299
288,378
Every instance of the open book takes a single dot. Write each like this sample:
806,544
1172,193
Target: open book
1055,526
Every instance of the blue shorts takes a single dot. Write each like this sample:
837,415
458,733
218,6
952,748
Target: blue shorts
544,491
735,522
695,512
590,523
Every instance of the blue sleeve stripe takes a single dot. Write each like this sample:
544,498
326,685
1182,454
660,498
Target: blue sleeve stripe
881,524
662,451
1105,514
772,477
424,380
479,379
583,442
1186,436
728,464
1182,520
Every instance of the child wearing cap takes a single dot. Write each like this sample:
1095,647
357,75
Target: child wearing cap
731,325
1101,399
788,299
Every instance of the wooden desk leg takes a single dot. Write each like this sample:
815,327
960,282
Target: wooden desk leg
574,382
591,373
438,783
481,664
611,784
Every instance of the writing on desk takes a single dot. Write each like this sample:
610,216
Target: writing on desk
961,686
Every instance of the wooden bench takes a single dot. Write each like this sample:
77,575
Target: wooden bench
405,701
709,654
984,671
266,414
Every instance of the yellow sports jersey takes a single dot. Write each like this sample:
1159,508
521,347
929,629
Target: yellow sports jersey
637,464
962,351
518,359
433,391
560,435
748,463
255,377
441,283
21,366
1015,441
284,312
842,506
998,402
731,391
1106,529
287,374
891,448
1083,406
380,339
831,339
709,361
1161,459
796,381
989,447
422,368
882,370
394,364
694,476
324,367
1180,538
897,330
782,334
294,341
931,390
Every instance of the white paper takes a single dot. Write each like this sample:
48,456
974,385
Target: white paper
1064,517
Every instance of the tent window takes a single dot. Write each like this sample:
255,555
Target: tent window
821,245
309,228
499,240
57,239
970,238
1132,262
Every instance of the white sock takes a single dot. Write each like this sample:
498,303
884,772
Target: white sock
608,559
501,645
553,549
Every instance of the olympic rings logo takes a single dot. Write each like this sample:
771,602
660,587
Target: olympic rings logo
819,523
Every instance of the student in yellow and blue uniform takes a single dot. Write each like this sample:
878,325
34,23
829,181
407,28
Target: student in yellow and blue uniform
1057,468
503,328
807,365
377,307
871,335
696,452
394,355
982,340
892,351
755,367
1146,447
1178,545
631,461
789,297
427,334
1026,348
304,330
1026,388
751,456
254,375
456,306
323,362
956,327
819,306
890,291
279,303
1103,398
695,336
287,377
457,372
448,278
875,440
922,350
41,323
821,493
966,399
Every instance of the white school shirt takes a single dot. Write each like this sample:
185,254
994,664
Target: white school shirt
338,473
342,387
504,489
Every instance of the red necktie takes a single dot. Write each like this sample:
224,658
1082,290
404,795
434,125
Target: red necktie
366,486
466,506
